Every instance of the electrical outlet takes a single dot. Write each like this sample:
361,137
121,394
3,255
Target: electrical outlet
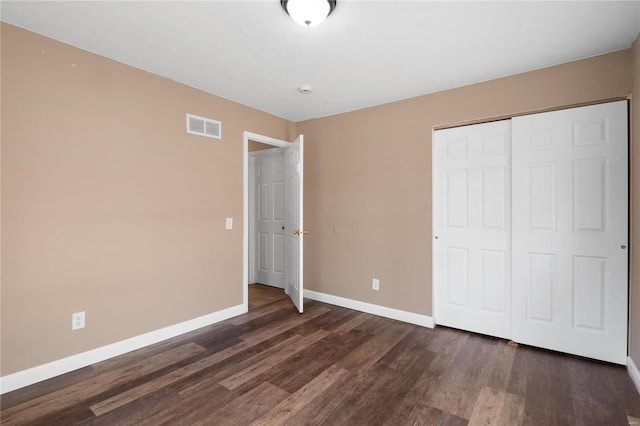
77,320
375,284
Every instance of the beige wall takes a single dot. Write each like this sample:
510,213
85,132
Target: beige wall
369,173
257,146
634,294
108,206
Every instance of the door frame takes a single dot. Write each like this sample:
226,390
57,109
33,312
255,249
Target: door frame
267,140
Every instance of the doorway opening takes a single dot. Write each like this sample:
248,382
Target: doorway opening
272,237
266,214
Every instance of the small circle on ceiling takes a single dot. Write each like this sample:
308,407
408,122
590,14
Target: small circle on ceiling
305,89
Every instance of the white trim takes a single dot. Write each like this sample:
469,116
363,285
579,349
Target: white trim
52,369
265,139
370,308
634,373
434,230
251,278
245,220
246,136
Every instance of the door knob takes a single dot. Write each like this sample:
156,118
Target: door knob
299,232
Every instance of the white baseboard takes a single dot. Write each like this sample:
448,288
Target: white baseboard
634,373
370,308
52,369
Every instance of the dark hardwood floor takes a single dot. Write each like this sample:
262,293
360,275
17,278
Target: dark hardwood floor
330,366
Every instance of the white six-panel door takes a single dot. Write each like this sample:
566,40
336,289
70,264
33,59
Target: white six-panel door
570,230
546,266
270,217
294,222
471,224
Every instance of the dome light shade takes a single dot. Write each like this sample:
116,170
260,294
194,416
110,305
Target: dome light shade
308,13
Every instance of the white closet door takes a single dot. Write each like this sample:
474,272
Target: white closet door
472,217
570,233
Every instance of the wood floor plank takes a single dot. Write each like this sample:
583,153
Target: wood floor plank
336,407
625,390
143,354
414,408
132,394
457,390
390,388
243,358
352,323
25,394
74,414
247,407
215,341
302,397
519,371
496,407
446,344
328,321
548,397
307,364
253,340
74,394
358,398
263,295
266,363
281,305
261,334
332,366
137,411
373,349
247,362
594,396
501,365
429,416
408,350
194,407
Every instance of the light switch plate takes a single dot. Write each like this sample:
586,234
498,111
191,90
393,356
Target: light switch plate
229,224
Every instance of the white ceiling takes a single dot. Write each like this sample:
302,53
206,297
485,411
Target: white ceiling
366,53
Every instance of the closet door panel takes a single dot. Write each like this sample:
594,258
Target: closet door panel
570,230
472,216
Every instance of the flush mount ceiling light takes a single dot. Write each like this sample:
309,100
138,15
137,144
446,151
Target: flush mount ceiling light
308,13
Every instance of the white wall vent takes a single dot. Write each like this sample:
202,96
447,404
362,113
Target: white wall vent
204,126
